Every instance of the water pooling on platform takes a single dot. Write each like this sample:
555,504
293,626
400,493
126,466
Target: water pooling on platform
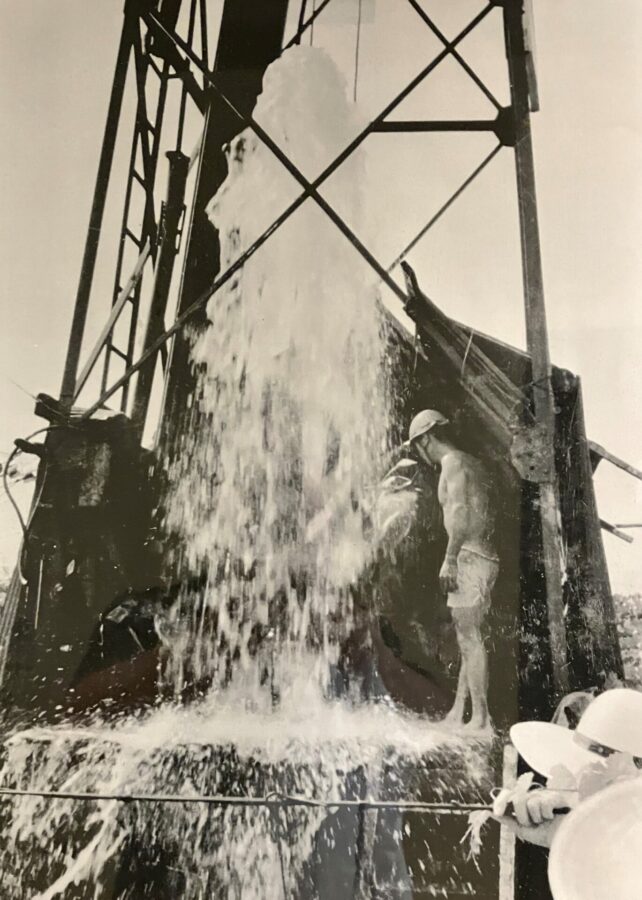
267,500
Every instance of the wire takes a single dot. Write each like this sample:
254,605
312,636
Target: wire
19,386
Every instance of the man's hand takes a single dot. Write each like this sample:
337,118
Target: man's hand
448,576
535,815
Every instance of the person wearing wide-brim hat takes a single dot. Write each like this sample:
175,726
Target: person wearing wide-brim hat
606,746
597,850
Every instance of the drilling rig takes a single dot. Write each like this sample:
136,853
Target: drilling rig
76,625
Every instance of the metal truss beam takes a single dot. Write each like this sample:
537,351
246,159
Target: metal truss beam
97,210
304,26
397,126
311,188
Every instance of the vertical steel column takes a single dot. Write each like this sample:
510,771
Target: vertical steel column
97,210
536,332
250,38
170,223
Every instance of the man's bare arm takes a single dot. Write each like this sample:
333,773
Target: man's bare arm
453,493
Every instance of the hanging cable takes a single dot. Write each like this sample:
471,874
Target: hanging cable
356,50
314,9
19,386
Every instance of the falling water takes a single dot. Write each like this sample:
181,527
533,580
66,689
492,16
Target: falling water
271,489
269,504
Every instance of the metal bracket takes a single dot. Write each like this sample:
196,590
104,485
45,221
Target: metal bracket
504,126
530,453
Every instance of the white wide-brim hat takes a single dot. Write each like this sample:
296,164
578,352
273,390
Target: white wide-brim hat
545,746
597,850
613,720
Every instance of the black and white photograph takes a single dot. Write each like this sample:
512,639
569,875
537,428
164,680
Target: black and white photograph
321,450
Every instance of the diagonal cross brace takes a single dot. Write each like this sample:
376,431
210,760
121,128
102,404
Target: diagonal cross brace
455,55
310,187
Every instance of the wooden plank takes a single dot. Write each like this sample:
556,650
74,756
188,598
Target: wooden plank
595,640
507,838
601,453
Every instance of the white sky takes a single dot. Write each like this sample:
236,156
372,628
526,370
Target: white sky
56,64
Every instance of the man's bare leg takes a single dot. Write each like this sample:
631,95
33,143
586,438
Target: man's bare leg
457,712
474,663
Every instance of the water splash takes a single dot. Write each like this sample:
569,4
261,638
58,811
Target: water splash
320,750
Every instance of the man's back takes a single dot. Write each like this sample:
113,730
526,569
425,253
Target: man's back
465,493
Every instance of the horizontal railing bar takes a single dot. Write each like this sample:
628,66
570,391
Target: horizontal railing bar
396,126
271,800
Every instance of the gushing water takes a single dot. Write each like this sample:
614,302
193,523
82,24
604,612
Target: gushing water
270,486
269,502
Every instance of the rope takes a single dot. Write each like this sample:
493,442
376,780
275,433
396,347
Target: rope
271,801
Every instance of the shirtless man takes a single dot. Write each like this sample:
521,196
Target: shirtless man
470,565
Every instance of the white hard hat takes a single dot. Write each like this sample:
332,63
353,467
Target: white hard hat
597,850
614,720
424,421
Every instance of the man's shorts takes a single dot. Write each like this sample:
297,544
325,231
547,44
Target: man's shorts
476,575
